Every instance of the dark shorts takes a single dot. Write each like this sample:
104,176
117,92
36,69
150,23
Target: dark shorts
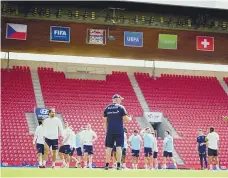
167,154
52,143
155,155
112,138
147,152
65,149
124,152
203,153
88,149
135,153
79,151
72,151
212,152
40,148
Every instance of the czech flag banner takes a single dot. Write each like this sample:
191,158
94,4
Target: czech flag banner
16,31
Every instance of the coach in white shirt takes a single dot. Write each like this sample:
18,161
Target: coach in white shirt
38,142
213,146
88,137
52,128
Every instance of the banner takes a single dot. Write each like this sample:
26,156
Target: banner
16,31
153,116
133,39
60,34
96,36
166,41
205,43
41,113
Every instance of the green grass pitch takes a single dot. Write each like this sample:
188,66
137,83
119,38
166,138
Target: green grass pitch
61,172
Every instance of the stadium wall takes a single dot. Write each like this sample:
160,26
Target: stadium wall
38,41
79,70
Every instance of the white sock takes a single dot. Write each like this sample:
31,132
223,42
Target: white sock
211,167
175,164
164,166
44,163
136,166
53,163
124,164
40,163
133,166
145,166
217,167
85,164
90,164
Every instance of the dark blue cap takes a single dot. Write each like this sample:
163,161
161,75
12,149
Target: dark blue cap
117,96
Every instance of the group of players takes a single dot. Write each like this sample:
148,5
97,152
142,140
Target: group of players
116,142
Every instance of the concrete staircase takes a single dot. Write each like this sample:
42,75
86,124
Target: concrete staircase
37,89
32,122
139,93
224,85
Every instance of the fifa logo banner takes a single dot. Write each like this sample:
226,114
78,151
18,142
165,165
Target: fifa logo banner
60,34
96,36
41,113
166,41
133,39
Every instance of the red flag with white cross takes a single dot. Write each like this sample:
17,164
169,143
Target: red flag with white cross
205,43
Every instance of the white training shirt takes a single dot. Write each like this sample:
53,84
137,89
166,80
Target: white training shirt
125,141
87,137
67,136
39,135
213,139
52,127
155,146
72,139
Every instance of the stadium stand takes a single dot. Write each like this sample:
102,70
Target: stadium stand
226,80
190,103
17,99
82,101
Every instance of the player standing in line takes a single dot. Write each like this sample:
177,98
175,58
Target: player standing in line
148,143
124,150
72,146
168,149
52,128
38,143
88,138
135,142
201,148
79,147
213,147
155,150
114,115
65,148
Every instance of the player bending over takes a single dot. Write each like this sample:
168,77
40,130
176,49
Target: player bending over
155,150
65,148
124,150
52,126
135,142
213,147
114,115
88,137
201,148
168,149
39,141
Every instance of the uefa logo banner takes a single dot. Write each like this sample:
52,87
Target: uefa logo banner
166,41
96,36
133,39
60,34
41,113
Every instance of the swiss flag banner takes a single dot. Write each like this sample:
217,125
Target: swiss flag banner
205,43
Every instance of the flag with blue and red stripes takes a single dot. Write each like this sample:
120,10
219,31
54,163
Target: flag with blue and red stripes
16,31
